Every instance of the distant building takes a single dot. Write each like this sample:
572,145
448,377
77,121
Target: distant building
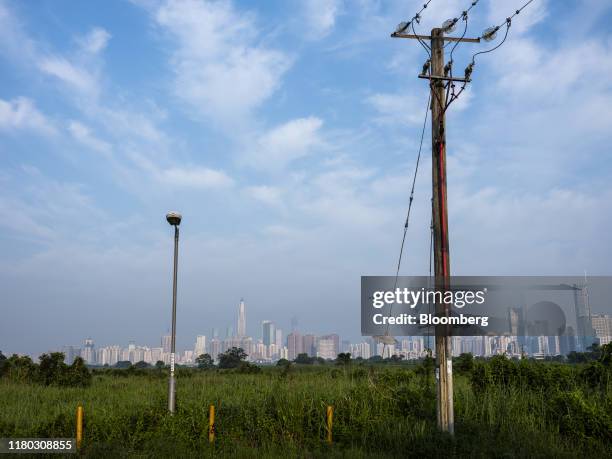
335,339
295,345
88,353
326,348
200,345
215,348
310,345
268,332
602,324
166,343
279,338
70,353
241,319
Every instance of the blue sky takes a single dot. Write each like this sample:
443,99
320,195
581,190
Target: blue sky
286,133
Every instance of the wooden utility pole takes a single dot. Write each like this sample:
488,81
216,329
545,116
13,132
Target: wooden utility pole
444,363
438,81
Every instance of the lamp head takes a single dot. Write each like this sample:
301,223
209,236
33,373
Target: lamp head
174,218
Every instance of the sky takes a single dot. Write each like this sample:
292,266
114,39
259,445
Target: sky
286,132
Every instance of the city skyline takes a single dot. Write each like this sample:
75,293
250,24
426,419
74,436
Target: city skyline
271,345
293,179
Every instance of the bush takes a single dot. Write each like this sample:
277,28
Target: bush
579,419
248,368
51,371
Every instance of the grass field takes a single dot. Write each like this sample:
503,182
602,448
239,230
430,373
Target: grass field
380,411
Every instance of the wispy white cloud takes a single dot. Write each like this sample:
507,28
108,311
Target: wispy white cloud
269,195
83,135
74,76
95,41
320,17
221,72
285,143
21,113
396,108
196,177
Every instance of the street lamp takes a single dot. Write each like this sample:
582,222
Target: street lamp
174,218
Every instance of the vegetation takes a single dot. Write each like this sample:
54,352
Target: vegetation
504,408
51,371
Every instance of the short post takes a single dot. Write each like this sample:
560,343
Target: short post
211,424
330,421
79,426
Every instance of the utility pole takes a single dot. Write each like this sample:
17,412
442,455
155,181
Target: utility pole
438,81
444,363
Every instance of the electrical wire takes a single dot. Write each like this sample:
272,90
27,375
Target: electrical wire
407,222
517,12
423,44
508,24
416,18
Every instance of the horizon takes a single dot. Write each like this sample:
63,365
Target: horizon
293,178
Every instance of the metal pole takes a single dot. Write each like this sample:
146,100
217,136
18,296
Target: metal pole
172,383
444,363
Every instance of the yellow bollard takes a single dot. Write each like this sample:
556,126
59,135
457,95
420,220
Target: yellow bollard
211,423
330,421
79,426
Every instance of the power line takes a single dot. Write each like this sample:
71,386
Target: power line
490,33
517,12
407,222
403,26
508,24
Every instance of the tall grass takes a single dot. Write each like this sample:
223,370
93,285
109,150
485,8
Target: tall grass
379,412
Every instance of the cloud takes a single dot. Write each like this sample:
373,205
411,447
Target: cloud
533,14
95,41
70,74
197,177
45,210
77,72
395,108
320,17
82,134
221,72
285,143
21,113
269,195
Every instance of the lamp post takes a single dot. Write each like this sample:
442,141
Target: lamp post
174,218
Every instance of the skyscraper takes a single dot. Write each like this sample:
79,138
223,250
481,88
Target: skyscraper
268,334
166,342
310,345
200,345
602,324
295,345
279,338
88,353
241,319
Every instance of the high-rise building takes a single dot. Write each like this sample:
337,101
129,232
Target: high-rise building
166,342
279,338
70,353
602,324
326,348
215,348
200,345
295,345
88,352
336,342
268,332
241,319
310,345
